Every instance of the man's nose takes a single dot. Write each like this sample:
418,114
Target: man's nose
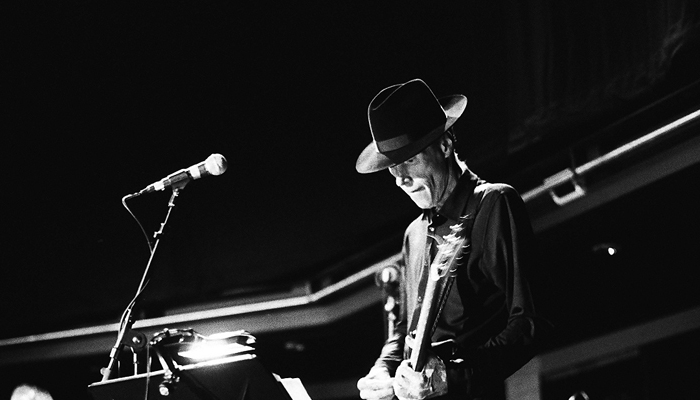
403,180
401,175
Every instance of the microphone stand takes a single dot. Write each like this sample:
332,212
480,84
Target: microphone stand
126,336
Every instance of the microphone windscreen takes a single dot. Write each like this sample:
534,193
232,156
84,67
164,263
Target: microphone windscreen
216,164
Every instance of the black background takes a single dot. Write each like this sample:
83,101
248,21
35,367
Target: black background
106,98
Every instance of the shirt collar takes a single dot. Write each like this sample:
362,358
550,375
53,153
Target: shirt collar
456,201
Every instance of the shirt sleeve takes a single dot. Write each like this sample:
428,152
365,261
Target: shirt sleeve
392,352
504,251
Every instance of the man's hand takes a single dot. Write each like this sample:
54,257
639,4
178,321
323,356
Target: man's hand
377,385
412,385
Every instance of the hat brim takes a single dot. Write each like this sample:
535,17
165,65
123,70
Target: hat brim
371,160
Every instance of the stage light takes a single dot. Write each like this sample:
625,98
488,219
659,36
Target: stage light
218,345
609,249
212,350
182,347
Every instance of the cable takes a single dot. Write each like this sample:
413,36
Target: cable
150,245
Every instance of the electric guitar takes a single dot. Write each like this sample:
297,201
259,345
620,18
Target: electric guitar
442,269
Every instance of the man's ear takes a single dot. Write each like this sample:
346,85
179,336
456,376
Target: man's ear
446,145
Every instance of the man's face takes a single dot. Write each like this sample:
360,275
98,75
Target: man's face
424,177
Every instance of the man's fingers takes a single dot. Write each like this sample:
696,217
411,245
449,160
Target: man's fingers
376,389
375,384
386,393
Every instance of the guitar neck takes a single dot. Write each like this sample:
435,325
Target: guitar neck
421,342
448,252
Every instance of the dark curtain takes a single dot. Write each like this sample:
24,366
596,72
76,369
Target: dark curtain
578,65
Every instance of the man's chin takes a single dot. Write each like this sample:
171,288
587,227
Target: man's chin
422,203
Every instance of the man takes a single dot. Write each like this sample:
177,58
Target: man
488,327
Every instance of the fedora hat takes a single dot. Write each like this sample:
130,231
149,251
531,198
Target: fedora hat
404,119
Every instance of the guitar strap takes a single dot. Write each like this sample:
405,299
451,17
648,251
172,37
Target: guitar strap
467,221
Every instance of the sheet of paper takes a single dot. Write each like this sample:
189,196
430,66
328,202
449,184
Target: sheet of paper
295,388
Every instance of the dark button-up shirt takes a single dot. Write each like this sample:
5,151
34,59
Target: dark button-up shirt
489,325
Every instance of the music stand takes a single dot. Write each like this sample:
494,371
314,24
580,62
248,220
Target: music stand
240,377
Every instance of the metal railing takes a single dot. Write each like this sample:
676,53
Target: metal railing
570,175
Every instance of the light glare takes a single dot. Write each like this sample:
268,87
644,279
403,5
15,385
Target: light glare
209,351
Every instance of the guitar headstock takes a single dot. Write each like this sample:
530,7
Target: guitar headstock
448,250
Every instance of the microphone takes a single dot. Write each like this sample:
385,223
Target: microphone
215,165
